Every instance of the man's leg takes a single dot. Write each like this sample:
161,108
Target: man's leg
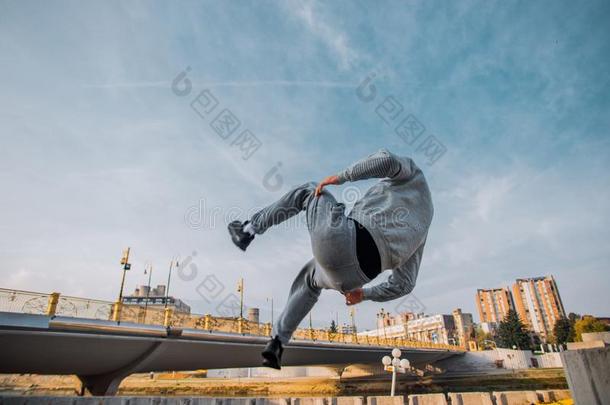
303,295
289,205
325,218
293,202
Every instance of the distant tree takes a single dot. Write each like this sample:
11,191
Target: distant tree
333,327
535,342
563,331
512,332
573,317
484,340
474,331
588,324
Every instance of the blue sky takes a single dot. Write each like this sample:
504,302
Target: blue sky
98,153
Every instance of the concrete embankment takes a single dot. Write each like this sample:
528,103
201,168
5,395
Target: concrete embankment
452,398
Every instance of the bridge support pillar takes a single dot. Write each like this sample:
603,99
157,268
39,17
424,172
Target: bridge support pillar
100,385
108,383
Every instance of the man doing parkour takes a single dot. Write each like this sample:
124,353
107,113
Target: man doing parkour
386,229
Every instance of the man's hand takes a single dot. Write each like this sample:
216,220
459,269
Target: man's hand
354,297
328,180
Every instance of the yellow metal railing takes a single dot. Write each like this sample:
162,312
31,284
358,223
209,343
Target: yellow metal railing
56,304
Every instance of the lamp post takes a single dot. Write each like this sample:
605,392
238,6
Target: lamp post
352,313
271,299
382,316
116,316
395,364
150,270
173,262
240,290
126,266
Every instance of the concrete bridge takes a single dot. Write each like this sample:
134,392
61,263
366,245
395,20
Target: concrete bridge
101,352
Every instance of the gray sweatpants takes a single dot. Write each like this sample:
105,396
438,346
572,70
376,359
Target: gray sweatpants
333,242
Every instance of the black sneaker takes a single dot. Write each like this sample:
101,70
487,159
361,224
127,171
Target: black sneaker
238,236
272,355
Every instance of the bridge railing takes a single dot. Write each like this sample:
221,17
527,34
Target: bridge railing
29,302
26,302
55,304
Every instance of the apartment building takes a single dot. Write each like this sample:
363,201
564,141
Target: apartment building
538,304
493,304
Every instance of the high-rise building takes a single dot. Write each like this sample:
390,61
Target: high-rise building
493,304
538,304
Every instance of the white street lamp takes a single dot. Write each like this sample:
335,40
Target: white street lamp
395,364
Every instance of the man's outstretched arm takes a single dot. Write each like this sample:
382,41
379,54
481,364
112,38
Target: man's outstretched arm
401,282
380,164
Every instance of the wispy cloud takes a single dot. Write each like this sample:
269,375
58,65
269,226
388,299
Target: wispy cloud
335,40
207,84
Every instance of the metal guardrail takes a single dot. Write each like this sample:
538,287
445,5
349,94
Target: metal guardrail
29,302
54,304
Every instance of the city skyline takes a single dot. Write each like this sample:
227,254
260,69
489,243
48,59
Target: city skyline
501,299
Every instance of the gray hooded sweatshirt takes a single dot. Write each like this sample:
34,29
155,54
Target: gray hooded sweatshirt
397,212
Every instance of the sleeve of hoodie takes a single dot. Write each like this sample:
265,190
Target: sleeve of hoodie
380,164
401,281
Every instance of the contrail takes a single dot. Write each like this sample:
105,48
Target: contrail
285,83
